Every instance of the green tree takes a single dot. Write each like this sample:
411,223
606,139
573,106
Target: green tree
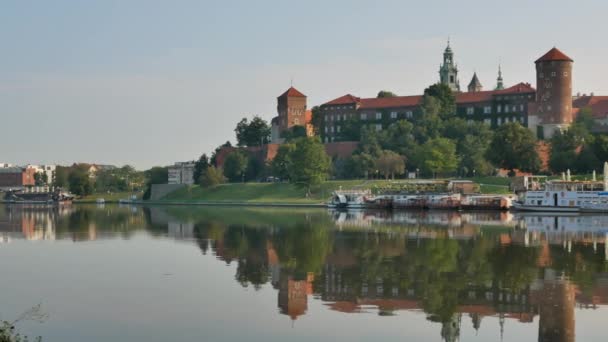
155,175
386,93
363,165
200,167
280,163
317,119
41,178
79,182
390,163
438,156
212,177
310,165
254,133
294,132
514,147
585,118
235,166
600,147
428,121
445,97
61,176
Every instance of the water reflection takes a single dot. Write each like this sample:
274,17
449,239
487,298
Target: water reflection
456,268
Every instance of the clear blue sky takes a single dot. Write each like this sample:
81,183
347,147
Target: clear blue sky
153,82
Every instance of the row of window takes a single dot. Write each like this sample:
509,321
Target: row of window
338,107
553,74
499,109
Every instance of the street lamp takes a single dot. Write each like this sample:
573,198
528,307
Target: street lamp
417,173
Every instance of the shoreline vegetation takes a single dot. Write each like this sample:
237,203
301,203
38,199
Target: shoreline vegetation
285,194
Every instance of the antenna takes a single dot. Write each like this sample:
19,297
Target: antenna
291,81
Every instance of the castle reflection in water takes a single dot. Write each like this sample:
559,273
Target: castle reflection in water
452,267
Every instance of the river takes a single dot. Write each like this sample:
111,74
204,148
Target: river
122,273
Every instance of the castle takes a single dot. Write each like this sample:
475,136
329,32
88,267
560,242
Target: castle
549,108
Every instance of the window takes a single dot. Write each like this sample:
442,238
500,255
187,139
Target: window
393,115
541,75
487,109
499,121
344,117
338,129
363,116
521,107
326,129
506,120
521,119
326,139
469,122
513,119
565,73
378,127
487,121
498,109
548,107
332,129
332,118
409,114
470,110
506,108
378,116
338,117
553,74
326,118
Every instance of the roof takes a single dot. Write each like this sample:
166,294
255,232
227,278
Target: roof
342,100
391,102
475,81
597,104
415,100
12,169
292,92
554,55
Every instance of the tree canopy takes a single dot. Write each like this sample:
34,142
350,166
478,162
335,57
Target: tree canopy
309,164
254,133
235,166
514,147
386,93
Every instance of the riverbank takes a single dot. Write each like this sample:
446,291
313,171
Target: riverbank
284,194
107,197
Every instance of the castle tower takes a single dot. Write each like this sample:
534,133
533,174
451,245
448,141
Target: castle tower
291,106
448,71
474,85
499,84
554,91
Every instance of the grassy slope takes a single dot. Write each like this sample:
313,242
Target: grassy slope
287,193
111,197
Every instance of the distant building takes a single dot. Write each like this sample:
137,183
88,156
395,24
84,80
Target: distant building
5,165
16,177
545,110
292,111
50,171
181,173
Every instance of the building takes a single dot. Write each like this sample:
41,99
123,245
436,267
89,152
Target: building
181,173
545,111
50,171
292,112
4,165
16,177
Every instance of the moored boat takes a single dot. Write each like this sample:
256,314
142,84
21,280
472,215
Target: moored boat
409,202
348,199
444,201
486,202
379,202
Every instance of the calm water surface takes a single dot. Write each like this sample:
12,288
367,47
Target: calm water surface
234,274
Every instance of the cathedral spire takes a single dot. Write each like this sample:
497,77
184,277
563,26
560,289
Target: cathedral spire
499,83
448,71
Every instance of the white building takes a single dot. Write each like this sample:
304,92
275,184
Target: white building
181,173
49,169
5,165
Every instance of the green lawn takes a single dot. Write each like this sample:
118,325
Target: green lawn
288,193
108,197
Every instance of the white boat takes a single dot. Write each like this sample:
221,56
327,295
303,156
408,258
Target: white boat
349,199
564,195
599,206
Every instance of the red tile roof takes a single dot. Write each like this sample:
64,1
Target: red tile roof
554,55
292,92
597,104
415,100
391,102
346,99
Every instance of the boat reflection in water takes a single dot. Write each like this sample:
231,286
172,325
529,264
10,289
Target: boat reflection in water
455,268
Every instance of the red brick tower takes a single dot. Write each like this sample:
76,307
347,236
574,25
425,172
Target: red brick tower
554,91
292,109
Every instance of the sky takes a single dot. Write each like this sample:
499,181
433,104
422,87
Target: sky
145,82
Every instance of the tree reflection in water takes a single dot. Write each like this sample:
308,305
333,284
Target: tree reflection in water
452,266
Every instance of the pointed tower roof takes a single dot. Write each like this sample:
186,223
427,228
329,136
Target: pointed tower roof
554,55
475,81
499,83
292,92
